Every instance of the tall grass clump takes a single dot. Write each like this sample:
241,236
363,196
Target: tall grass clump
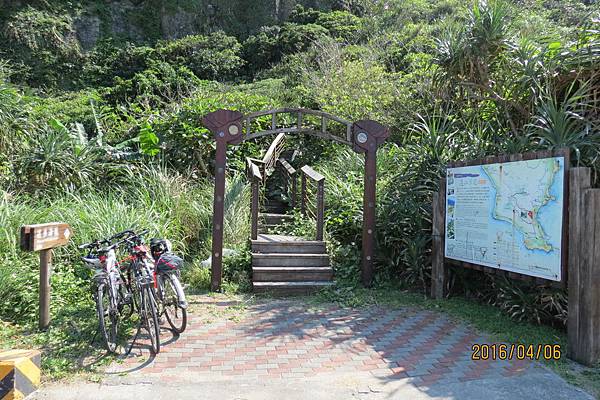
168,203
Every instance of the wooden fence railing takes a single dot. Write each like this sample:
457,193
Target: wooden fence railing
317,211
255,178
267,164
311,206
290,180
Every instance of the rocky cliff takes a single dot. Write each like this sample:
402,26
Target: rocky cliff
151,20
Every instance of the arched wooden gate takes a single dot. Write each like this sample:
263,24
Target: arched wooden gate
232,127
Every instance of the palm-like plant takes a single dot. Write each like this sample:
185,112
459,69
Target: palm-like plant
561,123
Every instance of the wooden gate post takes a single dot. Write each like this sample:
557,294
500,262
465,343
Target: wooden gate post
439,270
367,136
583,327
43,238
45,271
226,127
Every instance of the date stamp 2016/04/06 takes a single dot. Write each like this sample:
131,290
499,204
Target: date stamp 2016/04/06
513,351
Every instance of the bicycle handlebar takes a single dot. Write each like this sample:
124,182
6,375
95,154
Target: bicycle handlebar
98,242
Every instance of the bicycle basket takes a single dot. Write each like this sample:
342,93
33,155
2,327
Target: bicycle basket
169,262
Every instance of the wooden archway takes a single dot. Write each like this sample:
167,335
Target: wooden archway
233,127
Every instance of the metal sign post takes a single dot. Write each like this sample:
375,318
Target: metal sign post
43,238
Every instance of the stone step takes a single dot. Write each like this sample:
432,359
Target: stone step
289,260
291,274
266,243
290,288
274,218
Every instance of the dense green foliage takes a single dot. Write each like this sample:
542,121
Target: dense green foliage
110,137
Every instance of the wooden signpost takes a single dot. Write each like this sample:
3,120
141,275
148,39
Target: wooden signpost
43,238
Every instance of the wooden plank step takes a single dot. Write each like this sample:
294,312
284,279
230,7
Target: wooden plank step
290,288
275,208
264,228
306,247
291,274
266,243
289,260
275,218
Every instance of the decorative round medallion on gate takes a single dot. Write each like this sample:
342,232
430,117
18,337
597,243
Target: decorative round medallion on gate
234,130
362,137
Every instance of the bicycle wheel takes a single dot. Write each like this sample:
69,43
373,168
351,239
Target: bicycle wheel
176,315
107,318
126,302
151,318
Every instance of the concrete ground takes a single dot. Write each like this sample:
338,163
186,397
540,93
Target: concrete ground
281,349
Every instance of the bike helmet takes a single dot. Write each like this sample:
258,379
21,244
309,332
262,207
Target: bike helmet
159,246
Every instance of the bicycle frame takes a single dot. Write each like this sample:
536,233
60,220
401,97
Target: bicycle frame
106,269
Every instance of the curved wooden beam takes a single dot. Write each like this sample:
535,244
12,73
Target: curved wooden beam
299,127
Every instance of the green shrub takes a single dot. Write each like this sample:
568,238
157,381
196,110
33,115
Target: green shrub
215,56
237,271
295,38
160,83
342,26
352,89
262,50
44,46
107,61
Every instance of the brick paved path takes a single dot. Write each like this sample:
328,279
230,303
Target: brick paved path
288,339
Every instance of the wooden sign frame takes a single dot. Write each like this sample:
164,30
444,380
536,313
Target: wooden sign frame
580,269
440,264
45,236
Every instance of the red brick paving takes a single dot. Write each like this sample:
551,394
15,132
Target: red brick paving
286,339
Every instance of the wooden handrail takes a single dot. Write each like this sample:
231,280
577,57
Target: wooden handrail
272,155
255,178
253,170
290,170
271,151
320,181
289,173
312,174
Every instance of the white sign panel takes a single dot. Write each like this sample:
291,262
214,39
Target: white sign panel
507,216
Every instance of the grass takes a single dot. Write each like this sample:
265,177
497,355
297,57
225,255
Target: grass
68,350
170,204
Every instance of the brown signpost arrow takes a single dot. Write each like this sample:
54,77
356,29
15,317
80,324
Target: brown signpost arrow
43,238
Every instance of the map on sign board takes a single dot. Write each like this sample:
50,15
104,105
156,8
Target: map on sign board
507,216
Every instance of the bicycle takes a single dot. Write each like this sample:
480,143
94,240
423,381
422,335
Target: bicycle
170,292
110,295
140,280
